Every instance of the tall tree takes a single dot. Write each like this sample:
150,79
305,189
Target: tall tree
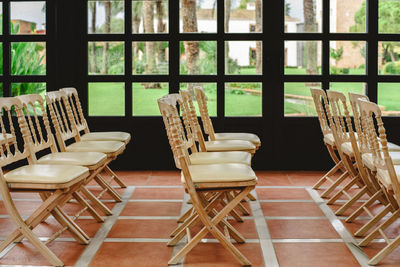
227,17
148,26
107,29
258,43
136,18
310,47
192,49
93,9
160,28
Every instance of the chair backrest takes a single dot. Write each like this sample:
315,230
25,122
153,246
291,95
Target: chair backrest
174,129
10,151
189,114
341,117
361,135
322,108
204,115
371,117
62,118
73,100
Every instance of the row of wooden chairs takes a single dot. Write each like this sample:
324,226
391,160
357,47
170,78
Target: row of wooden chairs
216,174
364,159
59,175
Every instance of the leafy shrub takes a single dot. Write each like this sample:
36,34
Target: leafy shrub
392,68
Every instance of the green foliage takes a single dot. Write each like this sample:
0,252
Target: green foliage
115,57
233,66
392,68
287,9
359,20
336,54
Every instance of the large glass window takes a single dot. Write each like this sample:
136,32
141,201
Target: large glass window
161,62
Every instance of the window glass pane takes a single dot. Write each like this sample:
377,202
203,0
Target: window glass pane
28,58
388,16
347,16
345,88
149,16
389,98
389,58
28,17
106,16
211,94
150,57
198,16
198,57
303,57
243,16
239,62
303,15
243,99
1,18
144,98
1,89
106,99
1,60
347,57
298,100
28,88
106,58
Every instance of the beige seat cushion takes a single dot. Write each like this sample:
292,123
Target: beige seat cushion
96,146
73,158
229,145
220,157
239,136
348,149
223,173
369,162
384,177
106,136
45,174
329,139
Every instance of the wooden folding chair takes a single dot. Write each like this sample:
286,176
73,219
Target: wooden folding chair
324,116
386,172
209,128
82,126
349,152
40,140
215,179
202,158
367,160
54,183
63,121
189,112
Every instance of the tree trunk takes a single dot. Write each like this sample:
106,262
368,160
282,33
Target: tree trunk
93,52
160,28
258,43
135,29
310,47
227,18
385,51
107,28
392,56
192,49
148,26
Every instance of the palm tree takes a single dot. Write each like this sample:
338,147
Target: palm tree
93,9
107,28
310,47
148,26
136,18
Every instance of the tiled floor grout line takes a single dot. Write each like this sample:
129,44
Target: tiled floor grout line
183,241
96,242
267,248
350,242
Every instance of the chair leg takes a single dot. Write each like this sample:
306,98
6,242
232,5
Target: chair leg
210,226
326,176
185,216
87,207
382,227
364,206
96,201
373,221
115,177
342,191
385,251
107,188
351,201
334,185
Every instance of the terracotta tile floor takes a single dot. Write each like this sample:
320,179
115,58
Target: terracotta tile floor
299,231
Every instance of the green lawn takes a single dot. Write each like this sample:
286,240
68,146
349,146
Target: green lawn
107,99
